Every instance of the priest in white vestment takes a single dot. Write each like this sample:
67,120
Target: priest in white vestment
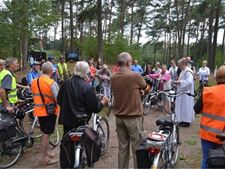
184,104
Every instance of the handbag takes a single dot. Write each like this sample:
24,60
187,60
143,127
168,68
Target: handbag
50,107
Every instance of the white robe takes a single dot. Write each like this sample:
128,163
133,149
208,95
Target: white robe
184,104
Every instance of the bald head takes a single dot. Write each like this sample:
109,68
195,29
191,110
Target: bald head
220,75
2,64
124,58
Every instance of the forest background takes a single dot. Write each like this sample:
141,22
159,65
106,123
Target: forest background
151,30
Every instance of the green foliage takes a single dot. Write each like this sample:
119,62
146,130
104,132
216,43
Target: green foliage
182,157
55,53
88,47
220,58
111,51
192,141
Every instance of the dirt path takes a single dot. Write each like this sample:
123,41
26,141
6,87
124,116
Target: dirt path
189,155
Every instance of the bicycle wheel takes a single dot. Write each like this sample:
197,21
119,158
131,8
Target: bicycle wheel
174,151
199,92
10,151
146,104
30,125
54,138
162,164
103,131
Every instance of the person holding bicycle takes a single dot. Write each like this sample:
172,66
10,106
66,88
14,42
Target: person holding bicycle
211,107
8,85
76,97
126,86
204,73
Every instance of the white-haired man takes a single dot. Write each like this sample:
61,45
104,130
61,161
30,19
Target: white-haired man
76,97
45,91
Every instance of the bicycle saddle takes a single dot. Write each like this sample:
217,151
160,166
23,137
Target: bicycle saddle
164,122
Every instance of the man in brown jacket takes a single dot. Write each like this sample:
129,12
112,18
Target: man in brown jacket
126,87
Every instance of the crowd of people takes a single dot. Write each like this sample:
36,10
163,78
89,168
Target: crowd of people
56,92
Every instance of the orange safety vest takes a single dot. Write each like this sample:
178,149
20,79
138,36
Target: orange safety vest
45,87
213,113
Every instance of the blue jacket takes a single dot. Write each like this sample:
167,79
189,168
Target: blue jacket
31,76
137,68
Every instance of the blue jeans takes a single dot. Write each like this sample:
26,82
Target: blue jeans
206,145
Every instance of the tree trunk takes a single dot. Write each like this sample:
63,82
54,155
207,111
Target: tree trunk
122,16
24,35
132,23
202,38
81,28
179,32
100,38
55,32
170,39
223,43
71,27
211,18
213,58
141,23
62,27
110,22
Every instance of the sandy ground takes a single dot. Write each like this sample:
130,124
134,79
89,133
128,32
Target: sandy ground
189,150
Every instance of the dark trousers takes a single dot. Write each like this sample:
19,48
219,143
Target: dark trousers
206,145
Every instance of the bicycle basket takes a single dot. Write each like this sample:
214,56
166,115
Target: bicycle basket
216,157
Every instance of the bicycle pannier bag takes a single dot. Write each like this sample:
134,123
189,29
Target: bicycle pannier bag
143,159
7,130
92,146
216,158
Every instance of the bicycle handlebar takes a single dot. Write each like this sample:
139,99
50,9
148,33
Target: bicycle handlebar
172,93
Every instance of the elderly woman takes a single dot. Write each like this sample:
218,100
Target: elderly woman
211,106
204,73
76,96
164,84
104,76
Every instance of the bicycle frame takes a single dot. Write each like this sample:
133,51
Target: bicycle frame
169,134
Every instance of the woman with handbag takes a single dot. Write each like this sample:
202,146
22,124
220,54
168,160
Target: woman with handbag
45,91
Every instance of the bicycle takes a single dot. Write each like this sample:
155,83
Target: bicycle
160,148
152,99
216,158
100,125
199,90
11,148
29,123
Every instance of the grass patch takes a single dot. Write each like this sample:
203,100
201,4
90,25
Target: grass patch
182,157
192,141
